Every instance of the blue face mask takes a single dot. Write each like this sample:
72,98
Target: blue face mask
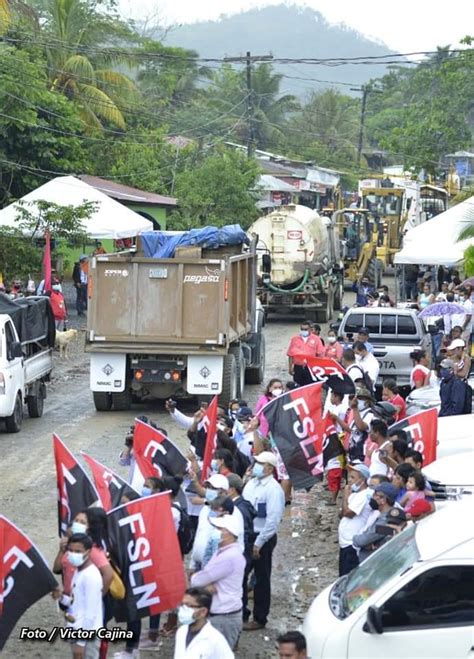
210,495
146,491
355,487
216,536
304,333
76,559
78,527
258,470
214,466
212,513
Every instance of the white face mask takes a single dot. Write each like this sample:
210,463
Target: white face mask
361,405
277,392
331,339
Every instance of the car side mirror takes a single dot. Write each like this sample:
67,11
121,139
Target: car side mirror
374,621
15,350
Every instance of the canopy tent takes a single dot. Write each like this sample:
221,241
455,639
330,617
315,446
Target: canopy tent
109,220
435,242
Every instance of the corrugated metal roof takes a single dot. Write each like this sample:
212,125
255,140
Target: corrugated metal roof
274,184
126,193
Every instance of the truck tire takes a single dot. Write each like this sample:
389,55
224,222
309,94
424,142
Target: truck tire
240,364
35,403
256,374
13,422
102,401
338,295
229,380
325,315
122,401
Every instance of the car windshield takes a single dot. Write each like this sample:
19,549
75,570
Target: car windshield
392,559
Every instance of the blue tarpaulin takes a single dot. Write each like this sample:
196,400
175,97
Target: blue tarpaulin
160,245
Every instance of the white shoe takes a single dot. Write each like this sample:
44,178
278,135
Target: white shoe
135,654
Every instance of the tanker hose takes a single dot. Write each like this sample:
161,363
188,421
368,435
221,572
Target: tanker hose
297,289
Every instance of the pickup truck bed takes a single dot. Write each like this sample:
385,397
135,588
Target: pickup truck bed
38,366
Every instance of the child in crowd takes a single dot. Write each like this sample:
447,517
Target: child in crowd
415,490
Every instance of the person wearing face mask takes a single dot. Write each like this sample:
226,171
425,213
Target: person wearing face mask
354,513
383,499
303,345
216,486
85,610
197,638
357,425
452,390
268,499
333,349
222,462
58,305
462,361
464,320
225,573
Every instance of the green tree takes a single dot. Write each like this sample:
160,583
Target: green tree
19,257
217,191
62,221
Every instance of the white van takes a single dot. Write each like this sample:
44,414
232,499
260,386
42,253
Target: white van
412,598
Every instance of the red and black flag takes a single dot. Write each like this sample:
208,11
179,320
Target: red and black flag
110,486
209,422
422,431
145,548
75,491
296,427
24,577
155,453
332,373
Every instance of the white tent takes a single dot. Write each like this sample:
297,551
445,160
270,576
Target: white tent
435,242
110,219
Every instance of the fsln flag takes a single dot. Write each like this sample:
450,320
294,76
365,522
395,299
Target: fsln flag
422,431
295,422
210,424
110,486
155,453
145,548
75,490
321,368
24,577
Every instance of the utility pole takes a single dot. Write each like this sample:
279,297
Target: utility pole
249,59
366,90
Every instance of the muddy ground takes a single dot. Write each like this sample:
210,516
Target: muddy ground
305,559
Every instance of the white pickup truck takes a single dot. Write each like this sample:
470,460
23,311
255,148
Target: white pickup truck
26,357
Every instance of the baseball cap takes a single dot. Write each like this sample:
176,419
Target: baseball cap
228,522
396,515
362,469
389,491
362,392
419,507
236,482
447,363
457,343
83,257
266,457
363,330
218,481
244,413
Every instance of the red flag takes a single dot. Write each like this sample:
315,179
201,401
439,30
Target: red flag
110,486
47,262
210,424
24,577
321,368
296,426
155,453
75,491
145,548
422,431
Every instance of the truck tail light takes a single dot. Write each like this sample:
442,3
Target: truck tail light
176,376
226,290
139,375
2,384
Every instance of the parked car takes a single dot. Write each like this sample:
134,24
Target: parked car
393,332
413,597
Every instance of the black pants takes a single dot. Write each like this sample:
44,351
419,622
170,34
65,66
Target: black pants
262,594
302,375
348,560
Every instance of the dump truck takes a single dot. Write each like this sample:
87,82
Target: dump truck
184,326
27,335
300,269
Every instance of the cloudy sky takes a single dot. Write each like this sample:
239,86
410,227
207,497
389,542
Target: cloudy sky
404,25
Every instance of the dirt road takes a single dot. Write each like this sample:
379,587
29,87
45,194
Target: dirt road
304,560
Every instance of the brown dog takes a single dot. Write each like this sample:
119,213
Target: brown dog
63,339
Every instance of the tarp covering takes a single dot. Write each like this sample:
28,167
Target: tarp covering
33,318
109,220
162,245
435,242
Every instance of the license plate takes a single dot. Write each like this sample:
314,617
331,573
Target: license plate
158,273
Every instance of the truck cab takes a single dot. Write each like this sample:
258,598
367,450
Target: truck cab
413,597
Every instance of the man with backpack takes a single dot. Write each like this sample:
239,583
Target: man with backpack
455,394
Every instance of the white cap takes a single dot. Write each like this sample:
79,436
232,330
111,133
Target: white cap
266,457
457,343
218,481
228,522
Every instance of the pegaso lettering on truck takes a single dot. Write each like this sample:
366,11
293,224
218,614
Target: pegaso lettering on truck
115,273
211,277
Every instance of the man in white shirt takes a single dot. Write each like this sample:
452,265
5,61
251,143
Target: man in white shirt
85,611
378,433
196,637
367,362
268,499
354,514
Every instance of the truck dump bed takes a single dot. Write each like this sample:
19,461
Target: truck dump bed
143,304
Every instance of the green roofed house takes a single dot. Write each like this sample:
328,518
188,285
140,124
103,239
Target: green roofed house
152,206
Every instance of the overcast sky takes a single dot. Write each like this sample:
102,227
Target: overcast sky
404,25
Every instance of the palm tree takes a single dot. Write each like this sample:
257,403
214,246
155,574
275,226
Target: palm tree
99,92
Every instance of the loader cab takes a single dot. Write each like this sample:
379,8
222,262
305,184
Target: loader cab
386,205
